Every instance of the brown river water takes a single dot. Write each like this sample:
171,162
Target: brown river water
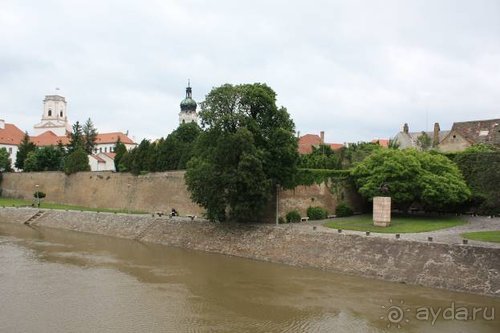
61,281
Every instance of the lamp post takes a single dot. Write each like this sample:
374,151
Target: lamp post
129,198
277,203
37,195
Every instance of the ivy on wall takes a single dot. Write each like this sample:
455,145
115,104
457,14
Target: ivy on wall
481,171
318,176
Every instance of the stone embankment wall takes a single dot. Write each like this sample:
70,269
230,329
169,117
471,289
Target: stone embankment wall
454,267
160,191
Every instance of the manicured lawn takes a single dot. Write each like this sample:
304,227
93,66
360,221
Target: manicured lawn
484,236
399,224
9,202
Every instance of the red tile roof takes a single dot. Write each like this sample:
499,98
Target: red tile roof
336,146
49,138
308,141
113,137
11,135
110,155
381,142
98,159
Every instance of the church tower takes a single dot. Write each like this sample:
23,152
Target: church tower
54,116
188,108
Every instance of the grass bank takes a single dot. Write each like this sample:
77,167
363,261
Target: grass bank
483,236
399,224
9,202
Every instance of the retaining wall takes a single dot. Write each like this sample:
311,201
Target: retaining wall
160,191
454,267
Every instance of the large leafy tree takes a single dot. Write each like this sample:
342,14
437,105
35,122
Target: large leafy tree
44,159
76,161
25,147
412,176
247,148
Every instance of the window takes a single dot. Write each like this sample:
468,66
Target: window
60,114
100,150
10,151
50,113
105,149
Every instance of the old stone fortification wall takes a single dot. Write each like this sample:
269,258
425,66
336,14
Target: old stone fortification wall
453,267
152,192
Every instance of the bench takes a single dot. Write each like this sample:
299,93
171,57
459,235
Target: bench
304,218
191,216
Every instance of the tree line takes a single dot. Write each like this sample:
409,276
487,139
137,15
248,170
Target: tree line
70,158
170,153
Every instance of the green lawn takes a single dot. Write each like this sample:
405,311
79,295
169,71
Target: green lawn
399,224
9,202
484,236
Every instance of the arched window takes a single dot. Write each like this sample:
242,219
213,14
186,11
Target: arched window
50,113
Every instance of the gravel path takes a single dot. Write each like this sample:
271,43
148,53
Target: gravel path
447,236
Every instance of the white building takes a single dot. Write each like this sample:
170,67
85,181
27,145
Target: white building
102,162
54,117
10,138
55,127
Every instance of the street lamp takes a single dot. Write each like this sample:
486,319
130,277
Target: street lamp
129,198
37,195
277,203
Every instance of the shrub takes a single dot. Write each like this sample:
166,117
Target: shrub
317,213
293,217
39,195
281,220
343,210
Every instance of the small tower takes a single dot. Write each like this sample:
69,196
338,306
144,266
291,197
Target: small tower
54,116
188,108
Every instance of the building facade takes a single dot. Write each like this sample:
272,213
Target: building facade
54,117
461,136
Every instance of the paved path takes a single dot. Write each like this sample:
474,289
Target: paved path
447,236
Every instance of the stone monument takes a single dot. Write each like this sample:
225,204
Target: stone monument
382,211
382,208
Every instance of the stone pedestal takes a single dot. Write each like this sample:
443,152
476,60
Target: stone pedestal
382,211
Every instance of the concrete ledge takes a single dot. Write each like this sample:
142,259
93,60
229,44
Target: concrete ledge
454,267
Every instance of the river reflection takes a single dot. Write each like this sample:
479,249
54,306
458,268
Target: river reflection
58,281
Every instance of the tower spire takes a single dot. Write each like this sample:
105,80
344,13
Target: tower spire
188,89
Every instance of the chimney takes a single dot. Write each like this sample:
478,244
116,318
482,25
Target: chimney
2,124
406,129
435,139
298,134
322,137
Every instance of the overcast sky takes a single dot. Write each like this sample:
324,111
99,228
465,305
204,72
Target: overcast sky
356,69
